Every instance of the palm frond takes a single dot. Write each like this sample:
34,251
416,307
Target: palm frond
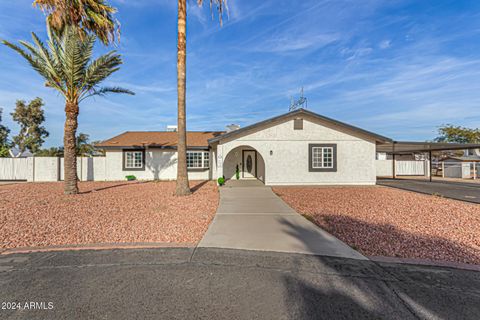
87,16
105,90
100,69
221,5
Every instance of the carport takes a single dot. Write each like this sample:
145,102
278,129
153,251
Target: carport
396,148
464,191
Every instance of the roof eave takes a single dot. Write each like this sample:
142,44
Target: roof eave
377,137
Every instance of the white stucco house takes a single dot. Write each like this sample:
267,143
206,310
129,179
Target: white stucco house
296,148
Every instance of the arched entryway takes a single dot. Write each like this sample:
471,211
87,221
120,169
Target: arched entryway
249,161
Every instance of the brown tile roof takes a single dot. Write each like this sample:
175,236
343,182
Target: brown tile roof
158,139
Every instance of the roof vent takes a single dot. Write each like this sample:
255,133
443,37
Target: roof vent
172,128
232,127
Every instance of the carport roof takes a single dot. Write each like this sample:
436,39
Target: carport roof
400,147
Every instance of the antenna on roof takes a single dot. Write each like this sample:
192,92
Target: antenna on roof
300,103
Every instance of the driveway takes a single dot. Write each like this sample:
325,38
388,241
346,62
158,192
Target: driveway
250,216
207,283
455,190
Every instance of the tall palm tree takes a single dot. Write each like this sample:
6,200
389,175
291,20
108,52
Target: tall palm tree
67,66
93,16
183,187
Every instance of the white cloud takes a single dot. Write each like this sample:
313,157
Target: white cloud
385,44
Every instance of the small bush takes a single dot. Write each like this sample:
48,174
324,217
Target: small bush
130,178
237,173
221,181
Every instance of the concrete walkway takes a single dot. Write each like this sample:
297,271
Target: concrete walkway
250,216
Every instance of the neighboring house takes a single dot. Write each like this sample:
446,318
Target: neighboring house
464,167
296,148
15,153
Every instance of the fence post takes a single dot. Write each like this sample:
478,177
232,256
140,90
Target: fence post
474,171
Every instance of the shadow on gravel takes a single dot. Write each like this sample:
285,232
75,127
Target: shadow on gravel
198,186
356,289
114,186
387,240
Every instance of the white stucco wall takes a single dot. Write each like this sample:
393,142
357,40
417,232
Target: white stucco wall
159,165
384,168
288,163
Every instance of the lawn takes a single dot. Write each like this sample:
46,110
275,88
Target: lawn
380,221
39,214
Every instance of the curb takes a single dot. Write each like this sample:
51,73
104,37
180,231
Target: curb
98,246
425,262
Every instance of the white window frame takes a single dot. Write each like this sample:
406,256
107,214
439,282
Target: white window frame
134,164
321,163
204,160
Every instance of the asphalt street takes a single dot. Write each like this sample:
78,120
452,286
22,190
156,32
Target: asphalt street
469,192
209,283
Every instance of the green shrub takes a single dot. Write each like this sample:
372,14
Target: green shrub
237,173
221,181
130,178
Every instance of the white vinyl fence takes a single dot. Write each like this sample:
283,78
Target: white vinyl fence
14,168
402,168
50,169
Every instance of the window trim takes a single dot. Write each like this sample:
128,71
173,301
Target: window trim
124,162
203,168
334,157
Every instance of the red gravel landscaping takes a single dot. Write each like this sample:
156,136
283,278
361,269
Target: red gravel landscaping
39,214
380,221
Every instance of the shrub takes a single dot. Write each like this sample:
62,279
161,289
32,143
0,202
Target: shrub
221,181
130,178
237,173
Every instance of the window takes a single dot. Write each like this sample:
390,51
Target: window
323,157
198,159
133,160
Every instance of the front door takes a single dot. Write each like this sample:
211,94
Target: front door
249,164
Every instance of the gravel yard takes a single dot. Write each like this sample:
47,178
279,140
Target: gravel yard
380,221
39,214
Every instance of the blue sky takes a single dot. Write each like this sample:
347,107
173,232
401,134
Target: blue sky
399,68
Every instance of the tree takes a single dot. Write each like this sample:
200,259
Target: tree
4,131
51,152
4,144
88,16
182,187
458,134
30,118
67,66
84,147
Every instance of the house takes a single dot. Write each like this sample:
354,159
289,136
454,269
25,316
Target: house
463,167
296,148
16,153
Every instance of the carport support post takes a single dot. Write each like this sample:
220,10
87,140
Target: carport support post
394,173
430,164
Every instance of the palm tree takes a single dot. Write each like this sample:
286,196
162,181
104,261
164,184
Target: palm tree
67,66
183,187
94,16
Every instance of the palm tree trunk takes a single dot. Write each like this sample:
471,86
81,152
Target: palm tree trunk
182,188
69,145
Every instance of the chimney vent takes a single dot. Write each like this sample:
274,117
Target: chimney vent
232,127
